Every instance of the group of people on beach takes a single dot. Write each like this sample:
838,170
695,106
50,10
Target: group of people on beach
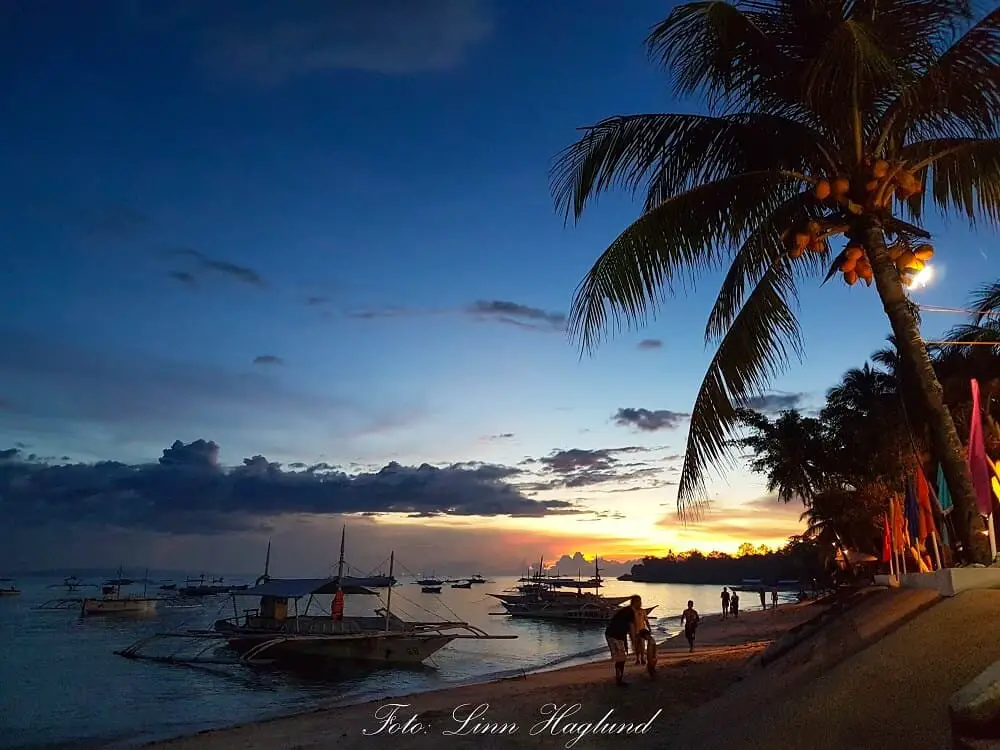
731,601
631,624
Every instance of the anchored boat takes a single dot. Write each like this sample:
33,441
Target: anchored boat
114,602
271,634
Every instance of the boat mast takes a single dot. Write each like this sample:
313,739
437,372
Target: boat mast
388,596
340,565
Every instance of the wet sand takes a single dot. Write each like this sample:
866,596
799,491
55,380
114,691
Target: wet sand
512,713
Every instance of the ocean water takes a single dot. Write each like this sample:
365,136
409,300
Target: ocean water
61,683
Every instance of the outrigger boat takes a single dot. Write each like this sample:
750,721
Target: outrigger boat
113,602
272,635
539,599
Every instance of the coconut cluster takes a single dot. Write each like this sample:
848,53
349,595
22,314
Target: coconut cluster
869,190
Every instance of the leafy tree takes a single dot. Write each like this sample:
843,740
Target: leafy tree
826,118
792,452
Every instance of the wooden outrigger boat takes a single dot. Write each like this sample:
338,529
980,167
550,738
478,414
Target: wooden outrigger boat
271,634
114,602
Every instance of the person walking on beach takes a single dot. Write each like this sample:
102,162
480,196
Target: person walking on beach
725,602
621,628
763,599
734,604
774,598
690,620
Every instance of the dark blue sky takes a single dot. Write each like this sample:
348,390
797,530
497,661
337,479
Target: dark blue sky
330,189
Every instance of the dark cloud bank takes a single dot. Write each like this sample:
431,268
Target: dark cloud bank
188,491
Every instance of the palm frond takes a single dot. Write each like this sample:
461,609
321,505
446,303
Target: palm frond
668,153
962,174
957,95
725,51
986,302
684,236
762,247
755,349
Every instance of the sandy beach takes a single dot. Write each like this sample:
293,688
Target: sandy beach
543,709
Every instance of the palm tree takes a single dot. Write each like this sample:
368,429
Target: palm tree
826,118
791,452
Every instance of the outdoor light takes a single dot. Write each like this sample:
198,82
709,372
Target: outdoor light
921,278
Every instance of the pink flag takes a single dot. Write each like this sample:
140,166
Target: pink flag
977,457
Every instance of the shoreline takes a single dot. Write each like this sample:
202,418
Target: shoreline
721,653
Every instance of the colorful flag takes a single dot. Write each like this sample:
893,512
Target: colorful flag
927,525
886,540
912,514
943,493
978,460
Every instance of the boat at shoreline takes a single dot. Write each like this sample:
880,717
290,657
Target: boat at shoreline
271,634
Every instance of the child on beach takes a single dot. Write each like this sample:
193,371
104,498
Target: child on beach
649,652
734,604
642,632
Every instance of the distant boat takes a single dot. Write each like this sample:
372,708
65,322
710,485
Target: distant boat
478,578
465,585
72,584
113,602
7,587
432,581
430,589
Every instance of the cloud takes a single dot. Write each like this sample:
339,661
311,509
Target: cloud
268,43
188,491
317,301
232,271
184,277
580,467
268,359
496,311
649,344
773,403
501,436
512,313
649,421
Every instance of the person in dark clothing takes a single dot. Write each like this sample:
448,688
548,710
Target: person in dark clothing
763,599
622,628
690,620
734,604
725,602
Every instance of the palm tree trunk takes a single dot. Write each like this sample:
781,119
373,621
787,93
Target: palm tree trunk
944,436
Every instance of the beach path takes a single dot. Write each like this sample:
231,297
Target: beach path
891,694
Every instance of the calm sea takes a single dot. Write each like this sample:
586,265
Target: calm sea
61,683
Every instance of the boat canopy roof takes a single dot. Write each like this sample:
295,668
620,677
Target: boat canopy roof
296,588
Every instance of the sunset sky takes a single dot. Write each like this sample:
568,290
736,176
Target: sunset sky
322,234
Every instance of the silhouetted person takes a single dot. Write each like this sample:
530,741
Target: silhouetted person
774,598
642,633
690,620
763,600
621,627
725,602
734,604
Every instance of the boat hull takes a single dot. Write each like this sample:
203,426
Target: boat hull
137,606
374,648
